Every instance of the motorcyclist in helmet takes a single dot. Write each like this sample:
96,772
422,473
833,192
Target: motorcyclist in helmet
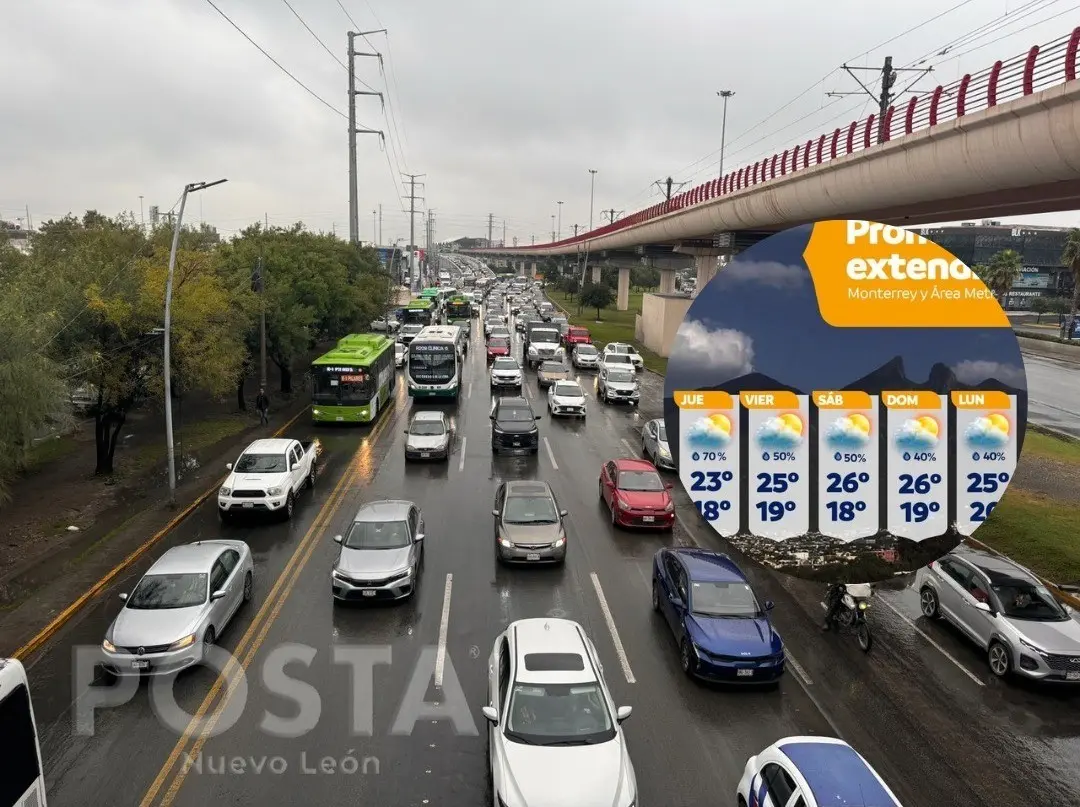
834,599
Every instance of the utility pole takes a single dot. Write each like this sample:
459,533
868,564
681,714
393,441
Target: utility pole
534,240
380,223
190,188
725,94
885,96
576,229
669,186
413,268
354,204
592,194
612,215
558,229
503,244
491,224
142,214
553,228
374,227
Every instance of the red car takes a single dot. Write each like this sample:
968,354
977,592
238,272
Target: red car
497,346
636,494
576,335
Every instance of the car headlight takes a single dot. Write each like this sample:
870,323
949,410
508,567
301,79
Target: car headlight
561,540
670,507
180,644
274,491
316,411
223,491
623,504
108,646
863,606
1032,648
665,451
504,542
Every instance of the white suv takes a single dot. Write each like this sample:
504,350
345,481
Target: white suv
623,349
555,734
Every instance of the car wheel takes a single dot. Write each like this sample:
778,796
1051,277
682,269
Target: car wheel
686,657
645,450
249,587
928,603
614,516
209,637
742,802
999,658
290,504
655,596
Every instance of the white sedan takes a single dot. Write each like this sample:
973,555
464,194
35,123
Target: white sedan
566,398
555,734
384,325
623,349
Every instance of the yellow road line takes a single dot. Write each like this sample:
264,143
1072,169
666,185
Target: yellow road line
256,632
65,616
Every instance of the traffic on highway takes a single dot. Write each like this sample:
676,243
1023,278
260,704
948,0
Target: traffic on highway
471,577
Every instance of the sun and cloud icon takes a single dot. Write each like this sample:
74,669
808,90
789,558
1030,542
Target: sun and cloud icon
781,431
916,433
988,431
713,431
849,431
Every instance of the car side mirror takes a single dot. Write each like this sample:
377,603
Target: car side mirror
492,714
984,607
338,539
538,417
491,416
123,597
769,605
419,537
217,595
676,600
623,712
404,431
564,513
495,513
228,466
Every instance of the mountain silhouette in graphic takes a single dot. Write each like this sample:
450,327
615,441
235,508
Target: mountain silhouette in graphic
754,382
892,375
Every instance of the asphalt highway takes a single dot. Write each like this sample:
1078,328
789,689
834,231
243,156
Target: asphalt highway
922,706
1052,393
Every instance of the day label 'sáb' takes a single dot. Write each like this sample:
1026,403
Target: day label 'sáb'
848,464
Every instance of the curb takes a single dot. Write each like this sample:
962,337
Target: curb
66,615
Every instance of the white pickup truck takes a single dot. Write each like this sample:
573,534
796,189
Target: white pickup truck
267,477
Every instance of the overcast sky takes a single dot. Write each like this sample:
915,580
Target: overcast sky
505,105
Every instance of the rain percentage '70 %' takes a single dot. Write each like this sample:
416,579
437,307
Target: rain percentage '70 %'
709,456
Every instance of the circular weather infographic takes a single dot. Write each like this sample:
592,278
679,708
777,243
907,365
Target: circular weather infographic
849,400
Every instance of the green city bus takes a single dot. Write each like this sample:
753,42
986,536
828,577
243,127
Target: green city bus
432,294
353,383
459,311
420,312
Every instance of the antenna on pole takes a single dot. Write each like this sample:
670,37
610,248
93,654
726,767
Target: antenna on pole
884,97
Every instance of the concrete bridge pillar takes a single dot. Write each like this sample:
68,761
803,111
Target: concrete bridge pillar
623,297
667,281
532,270
706,266
596,274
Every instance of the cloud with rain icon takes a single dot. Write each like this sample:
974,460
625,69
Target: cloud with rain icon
918,433
713,431
990,431
849,431
781,431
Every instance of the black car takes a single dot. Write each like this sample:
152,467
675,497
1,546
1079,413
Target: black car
513,427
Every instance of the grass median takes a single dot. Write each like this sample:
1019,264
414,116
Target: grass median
1038,532
613,326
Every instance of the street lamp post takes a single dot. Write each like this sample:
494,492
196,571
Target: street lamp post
559,229
553,228
592,195
725,94
188,189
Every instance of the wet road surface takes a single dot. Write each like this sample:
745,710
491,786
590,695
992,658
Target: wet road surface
922,706
1053,393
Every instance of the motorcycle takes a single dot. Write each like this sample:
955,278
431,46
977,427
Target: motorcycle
851,616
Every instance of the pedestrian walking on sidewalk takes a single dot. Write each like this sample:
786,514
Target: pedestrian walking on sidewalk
262,405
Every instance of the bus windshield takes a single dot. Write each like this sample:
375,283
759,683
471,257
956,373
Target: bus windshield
22,759
348,386
432,364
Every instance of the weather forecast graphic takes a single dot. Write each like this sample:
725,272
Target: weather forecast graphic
852,430
713,431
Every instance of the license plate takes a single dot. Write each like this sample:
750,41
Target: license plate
648,519
532,556
1072,676
745,673
368,592
517,444
425,454
140,665
248,505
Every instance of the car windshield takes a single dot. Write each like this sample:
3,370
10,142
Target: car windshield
640,480
507,415
618,350
162,591
427,428
569,391
261,464
620,376
586,350
553,367
559,714
616,358
1021,599
377,535
399,348
505,364
498,341
412,329
723,599
661,433
530,510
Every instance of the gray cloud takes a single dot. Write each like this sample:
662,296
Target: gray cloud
721,352
767,273
505,107
975,372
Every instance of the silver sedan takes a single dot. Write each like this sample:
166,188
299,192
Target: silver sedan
179,608
654,444
381,553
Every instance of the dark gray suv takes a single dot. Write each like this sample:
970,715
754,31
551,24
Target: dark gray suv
513,427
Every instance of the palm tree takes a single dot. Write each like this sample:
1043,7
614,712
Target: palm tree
1071,258
1003,272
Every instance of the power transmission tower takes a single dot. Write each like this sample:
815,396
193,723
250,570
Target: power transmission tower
503,242
534,240
412,197
885,96
667,186
612,215
491,225
354,205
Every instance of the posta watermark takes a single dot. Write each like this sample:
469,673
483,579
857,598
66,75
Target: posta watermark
360,662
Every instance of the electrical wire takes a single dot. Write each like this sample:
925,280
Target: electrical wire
317,38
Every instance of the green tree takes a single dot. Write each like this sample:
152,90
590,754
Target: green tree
1070,256
598,296
1001,273
1040,305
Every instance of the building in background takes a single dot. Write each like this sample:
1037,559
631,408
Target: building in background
1043,275
16,235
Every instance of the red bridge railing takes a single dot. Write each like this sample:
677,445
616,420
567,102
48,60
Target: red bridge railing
1040,68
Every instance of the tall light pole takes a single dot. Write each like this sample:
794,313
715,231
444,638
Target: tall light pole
553,228
592,195
375,227
725,94
559,230
189,188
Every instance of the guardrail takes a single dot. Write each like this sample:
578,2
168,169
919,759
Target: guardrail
1040,68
